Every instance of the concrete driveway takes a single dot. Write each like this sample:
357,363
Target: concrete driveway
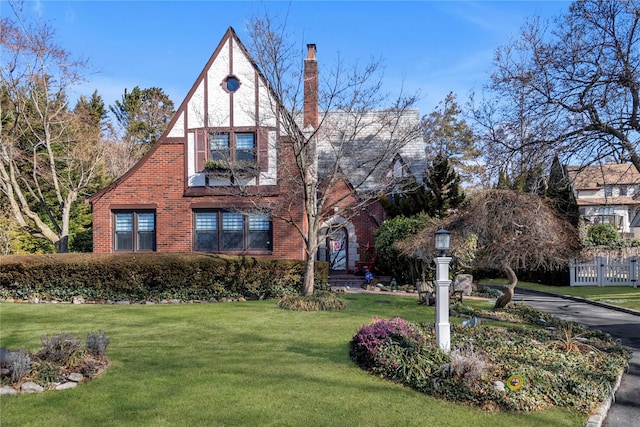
622,324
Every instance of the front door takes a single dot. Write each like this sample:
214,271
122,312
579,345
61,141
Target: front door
337,249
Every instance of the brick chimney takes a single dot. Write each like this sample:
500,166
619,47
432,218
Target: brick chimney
311,88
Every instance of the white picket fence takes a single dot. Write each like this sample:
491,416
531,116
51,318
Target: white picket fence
602,271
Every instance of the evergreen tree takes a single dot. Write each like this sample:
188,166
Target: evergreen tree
447,133
143,114
412,201
561,195
443,188
504,183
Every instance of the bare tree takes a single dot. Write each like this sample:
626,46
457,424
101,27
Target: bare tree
347,139
49,154
503,230
578,79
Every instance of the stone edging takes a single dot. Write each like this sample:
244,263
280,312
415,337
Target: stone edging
73,379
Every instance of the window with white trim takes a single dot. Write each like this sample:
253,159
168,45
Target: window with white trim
221,231
134,231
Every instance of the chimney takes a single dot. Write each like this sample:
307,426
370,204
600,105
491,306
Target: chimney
311,88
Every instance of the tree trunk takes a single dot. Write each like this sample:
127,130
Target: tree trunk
508,289
309,277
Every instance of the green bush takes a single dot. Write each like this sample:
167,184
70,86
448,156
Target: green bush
151,276
388,257
603,234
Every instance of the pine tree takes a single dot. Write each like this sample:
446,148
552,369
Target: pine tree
411,202
561,195
443,188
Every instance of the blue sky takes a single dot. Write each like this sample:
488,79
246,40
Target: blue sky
433,47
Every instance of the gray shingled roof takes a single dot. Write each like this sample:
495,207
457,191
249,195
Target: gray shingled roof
359,139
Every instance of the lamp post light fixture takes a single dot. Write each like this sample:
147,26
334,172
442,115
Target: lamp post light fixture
443,327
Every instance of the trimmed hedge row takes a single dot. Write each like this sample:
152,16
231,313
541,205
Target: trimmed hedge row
150,276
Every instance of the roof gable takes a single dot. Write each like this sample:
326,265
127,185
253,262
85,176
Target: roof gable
596,177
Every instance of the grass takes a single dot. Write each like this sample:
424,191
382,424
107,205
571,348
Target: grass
233,364
622,296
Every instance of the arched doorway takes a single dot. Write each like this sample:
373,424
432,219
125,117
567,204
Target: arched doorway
337,249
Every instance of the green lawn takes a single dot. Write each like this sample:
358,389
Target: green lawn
233,364
622,296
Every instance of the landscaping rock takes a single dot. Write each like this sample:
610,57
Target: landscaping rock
498,385
8,390
78,300
31,387
67,385
76,377
123,302
464,283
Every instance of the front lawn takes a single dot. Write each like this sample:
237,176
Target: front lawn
233,364
622,296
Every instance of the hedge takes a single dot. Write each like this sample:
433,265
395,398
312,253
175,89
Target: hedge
150,276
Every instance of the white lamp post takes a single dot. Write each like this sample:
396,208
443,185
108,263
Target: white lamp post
443,328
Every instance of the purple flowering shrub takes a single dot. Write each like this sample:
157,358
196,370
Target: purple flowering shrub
369,346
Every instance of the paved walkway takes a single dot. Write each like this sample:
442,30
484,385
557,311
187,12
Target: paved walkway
625,325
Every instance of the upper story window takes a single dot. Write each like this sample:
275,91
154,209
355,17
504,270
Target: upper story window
606,210
231,84
134,231
608,191
233,147
623,190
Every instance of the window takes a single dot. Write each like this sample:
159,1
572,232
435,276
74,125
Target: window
231,84
206,235
219,231
623,191
134,231
608,191
233,147
606,210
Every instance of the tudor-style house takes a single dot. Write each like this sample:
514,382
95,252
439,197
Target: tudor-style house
608,193
217,179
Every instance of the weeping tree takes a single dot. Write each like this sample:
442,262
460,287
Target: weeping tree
503,230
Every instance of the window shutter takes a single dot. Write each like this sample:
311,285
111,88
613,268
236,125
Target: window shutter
201,149
263,149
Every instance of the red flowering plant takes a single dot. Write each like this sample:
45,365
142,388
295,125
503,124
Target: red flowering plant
369,345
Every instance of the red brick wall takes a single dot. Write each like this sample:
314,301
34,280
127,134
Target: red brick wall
366,219
159,179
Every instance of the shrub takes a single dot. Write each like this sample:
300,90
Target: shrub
389,259
97,343
366,344
63,349
20,362
466,365
151,276
318,301
603,234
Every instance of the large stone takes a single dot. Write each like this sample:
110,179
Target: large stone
67,385
75,377
8,390
31,387
78,300
464,283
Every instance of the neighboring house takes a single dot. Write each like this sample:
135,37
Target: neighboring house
608,193
225,143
